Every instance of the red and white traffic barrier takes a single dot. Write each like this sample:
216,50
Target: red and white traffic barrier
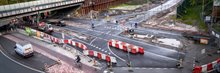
207,67
80,45
100,55
125,46
73,43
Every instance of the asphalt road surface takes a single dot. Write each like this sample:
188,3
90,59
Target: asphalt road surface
37,61
8,66
154,56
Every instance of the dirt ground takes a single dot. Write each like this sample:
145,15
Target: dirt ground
166,20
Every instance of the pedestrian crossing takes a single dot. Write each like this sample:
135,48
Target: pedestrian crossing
116,28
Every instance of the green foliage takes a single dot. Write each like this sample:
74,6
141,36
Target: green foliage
192,17
216,27
190,14
193,2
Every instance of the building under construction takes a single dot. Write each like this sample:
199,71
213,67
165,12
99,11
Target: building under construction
98,5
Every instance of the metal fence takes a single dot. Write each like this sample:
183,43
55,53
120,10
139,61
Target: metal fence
8,10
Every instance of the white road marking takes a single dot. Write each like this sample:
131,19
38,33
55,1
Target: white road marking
93,40
21,64
115,54
108,32
160,56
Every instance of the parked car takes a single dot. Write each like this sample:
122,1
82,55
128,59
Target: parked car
24,49
57,22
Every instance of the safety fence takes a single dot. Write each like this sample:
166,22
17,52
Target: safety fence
125,46
20,8
100,55
56,40
207,67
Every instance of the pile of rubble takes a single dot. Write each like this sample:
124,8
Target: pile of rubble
165,22
63,68
149,38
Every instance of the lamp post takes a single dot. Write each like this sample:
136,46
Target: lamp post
129,60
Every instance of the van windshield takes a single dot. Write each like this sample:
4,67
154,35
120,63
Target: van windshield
27,50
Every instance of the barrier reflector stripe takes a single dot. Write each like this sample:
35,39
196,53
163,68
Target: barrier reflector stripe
141,50
133,50
65,41
99,55
113,59
117,45
95,53
197,69
73,43
103,57
110,43
204,68
214,63
108,58
218,61
209,66
77,44
91,53
125,46
86,52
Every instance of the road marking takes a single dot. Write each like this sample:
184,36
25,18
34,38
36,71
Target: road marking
93,40
21,64
146,44
161,56
108,32
115,54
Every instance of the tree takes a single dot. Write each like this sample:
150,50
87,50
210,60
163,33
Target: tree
193,2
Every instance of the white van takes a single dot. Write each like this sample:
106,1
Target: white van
24,49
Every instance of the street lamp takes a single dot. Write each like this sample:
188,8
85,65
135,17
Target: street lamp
129,59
